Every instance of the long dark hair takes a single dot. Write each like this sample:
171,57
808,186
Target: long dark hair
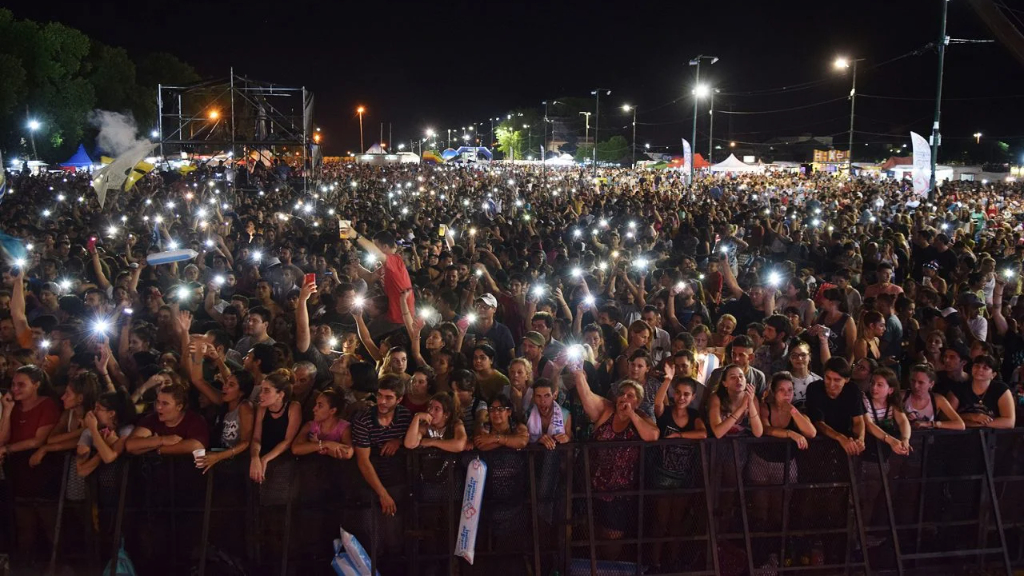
120,403
449,407
506,402
721,391
38,376
895,399
87,385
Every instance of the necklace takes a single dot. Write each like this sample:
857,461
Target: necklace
273,413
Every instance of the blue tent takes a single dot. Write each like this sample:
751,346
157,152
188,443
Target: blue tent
80,159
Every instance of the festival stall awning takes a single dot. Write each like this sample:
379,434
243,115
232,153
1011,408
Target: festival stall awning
733,164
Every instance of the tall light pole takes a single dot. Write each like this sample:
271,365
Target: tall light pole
597,119
586,134
430,134
711,126
843,63
627,108
936,135
33,125
696,94
529,136
360,111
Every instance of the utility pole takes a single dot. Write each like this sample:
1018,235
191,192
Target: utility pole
696,95
936,135
597,119
360,111
586,134
711,128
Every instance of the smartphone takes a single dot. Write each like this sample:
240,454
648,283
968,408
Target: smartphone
345,231
91,245
442,230
309,279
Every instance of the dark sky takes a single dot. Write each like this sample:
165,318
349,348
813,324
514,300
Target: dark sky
444,64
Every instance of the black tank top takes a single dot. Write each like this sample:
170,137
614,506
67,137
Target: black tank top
274,430
837,339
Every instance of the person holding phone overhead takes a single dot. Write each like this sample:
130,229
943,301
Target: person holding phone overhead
384,248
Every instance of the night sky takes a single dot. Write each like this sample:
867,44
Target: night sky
445,64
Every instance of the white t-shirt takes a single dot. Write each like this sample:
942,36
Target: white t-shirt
800,387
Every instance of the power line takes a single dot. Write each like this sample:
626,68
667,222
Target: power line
750,112
944,99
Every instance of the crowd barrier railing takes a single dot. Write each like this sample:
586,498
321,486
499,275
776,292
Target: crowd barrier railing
729,506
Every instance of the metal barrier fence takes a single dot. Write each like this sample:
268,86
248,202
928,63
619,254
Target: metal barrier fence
731,506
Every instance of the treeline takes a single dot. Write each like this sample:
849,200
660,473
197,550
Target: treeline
57,75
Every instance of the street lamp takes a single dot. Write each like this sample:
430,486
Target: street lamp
360,111
586,134
697,88
627,108
597,119
33,125
977,137
214,114
842,63
529,136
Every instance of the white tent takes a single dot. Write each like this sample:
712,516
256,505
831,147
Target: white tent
733,164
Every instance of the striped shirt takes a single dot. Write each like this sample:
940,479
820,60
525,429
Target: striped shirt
368,433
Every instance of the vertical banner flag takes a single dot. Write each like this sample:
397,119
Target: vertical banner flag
922,172
687,157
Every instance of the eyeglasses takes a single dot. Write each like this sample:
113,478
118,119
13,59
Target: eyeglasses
800,355
498,408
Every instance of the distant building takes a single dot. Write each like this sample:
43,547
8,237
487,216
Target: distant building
793,148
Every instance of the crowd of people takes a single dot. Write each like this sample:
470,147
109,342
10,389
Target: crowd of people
485,307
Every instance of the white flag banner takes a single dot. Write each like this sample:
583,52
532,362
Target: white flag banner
687,157
113,175
922,172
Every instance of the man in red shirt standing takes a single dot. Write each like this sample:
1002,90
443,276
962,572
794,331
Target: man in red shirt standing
395,274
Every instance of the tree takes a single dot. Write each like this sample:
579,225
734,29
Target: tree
57,75
510,142
613,150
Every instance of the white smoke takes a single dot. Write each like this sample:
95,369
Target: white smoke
118,132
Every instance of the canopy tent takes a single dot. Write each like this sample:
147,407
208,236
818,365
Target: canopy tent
733,164
375,149
79,160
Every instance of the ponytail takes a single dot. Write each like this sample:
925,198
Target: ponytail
282,380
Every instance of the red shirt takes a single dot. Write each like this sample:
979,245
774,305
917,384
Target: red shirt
40,481
396,280
191,427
